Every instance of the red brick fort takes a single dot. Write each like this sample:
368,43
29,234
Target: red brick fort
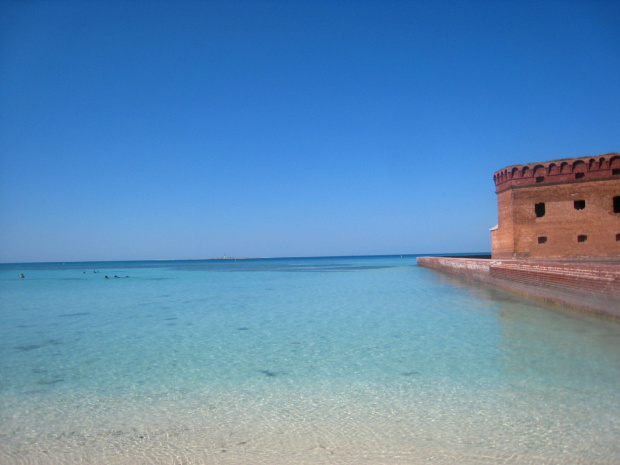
557,237
565,209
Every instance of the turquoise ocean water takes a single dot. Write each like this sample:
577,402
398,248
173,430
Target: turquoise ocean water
356,360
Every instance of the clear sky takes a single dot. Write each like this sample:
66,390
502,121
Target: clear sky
189,129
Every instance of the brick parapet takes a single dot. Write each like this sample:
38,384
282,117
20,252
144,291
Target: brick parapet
569,170
594,287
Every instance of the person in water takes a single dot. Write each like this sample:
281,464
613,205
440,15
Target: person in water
22,275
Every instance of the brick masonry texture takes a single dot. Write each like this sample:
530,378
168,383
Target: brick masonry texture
594,287
563,209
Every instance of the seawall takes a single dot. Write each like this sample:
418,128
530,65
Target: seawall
593,287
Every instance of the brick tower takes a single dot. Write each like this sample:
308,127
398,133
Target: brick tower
562,209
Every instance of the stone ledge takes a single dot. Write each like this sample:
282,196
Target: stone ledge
588,286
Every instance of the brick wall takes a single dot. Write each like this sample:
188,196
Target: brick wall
562,224
503,237
594,287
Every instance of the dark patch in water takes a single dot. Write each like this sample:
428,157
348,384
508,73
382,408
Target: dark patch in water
272,374
74,314
29,348
45,382
410,373
25,326
295,343
243,329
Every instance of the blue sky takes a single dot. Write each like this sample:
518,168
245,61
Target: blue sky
154,130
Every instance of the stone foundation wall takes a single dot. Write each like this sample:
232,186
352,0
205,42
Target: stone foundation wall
593,287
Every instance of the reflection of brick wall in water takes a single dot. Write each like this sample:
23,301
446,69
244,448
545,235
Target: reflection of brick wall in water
568,209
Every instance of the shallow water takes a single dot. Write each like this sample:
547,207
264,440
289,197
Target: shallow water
340,360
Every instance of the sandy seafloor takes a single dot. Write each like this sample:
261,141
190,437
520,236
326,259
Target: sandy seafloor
366,360
356,426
